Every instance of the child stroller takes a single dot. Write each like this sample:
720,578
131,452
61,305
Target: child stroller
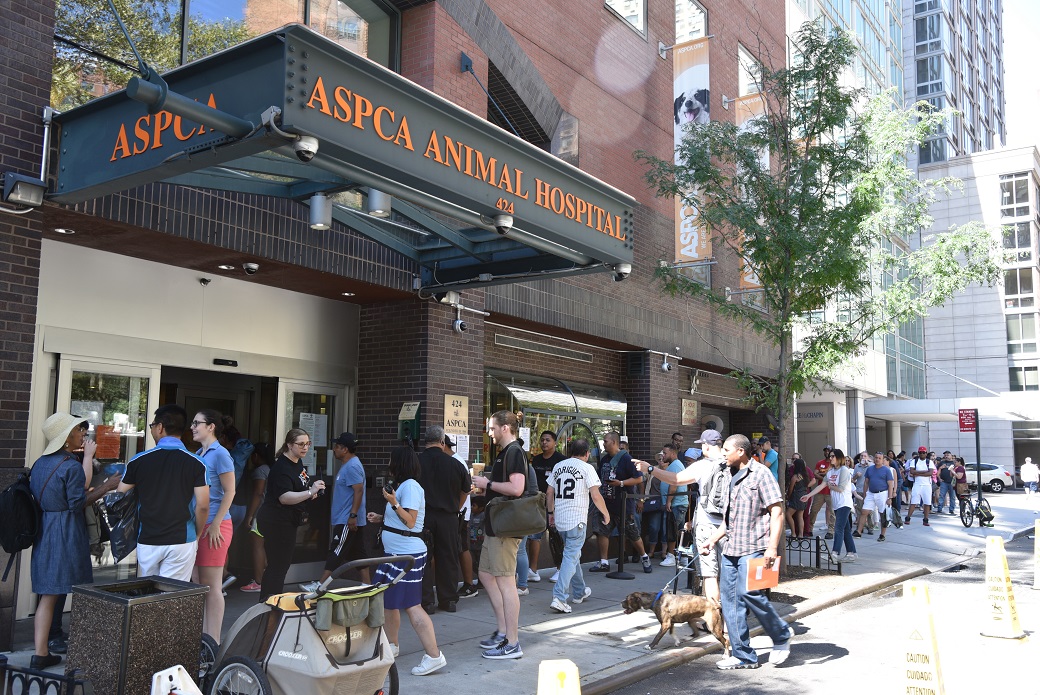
330,642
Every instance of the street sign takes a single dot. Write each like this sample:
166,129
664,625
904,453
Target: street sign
968,418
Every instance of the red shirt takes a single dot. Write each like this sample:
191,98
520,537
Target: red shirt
822,467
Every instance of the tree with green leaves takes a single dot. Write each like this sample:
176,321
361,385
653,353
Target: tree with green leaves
831,222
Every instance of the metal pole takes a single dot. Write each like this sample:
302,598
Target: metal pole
621,573
978,457
158,98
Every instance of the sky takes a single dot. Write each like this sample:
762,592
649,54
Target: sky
1021,83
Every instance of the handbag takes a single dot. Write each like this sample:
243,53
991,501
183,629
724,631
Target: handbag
518,517
119,513
962,489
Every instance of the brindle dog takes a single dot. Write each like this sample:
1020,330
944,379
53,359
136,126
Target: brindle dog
673,609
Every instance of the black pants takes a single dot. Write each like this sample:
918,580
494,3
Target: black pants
279,544
443,538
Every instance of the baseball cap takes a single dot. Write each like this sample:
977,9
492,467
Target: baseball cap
710,437
922,450
763,440
448,442
346,439
692,453
828,448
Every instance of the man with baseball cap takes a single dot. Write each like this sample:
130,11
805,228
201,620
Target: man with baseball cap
768,456
820,473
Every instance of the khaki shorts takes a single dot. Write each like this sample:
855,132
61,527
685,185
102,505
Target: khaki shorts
707,565
498,556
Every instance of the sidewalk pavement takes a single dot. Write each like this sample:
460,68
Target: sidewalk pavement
609,647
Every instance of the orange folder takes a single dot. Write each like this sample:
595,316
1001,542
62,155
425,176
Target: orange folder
761,577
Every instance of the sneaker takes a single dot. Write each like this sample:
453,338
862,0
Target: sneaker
429,608
310,587
870,532
848,557
228,581
254,529
647,567
600,567
447,606
880,539
468,591
829,536
533,576
497,639
953,513
556,577
581,599
857,534
429,664
781,650
395,649
506,651
251,588
559,606
731,662
668,561
522,591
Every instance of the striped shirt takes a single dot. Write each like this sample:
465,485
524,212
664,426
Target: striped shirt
571,480
751,492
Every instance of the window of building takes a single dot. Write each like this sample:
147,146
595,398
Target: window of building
1024,378
1018,288
691,21
749,77
931,34
632,11
85,31
1021,333
1018,237
1014,195
932,151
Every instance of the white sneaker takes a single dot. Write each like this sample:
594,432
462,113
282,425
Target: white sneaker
781,651
556,577
668,561
395,650
849,557
522,591
533,576
559,606
429,664
588,592
310,587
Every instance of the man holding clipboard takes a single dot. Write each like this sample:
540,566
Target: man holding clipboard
752,527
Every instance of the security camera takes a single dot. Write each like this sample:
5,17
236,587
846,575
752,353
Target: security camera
622,271
251,268
666,366
503,223
204,281
305,148
459,326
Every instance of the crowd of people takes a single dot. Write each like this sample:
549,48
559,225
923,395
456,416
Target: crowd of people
720,496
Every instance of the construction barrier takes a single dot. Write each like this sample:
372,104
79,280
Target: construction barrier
922,673
1000,597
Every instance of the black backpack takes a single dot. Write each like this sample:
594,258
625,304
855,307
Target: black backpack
21,517
716,487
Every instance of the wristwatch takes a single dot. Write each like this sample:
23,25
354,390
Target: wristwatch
649,469
353,516
394,507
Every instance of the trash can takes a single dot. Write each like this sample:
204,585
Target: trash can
123,632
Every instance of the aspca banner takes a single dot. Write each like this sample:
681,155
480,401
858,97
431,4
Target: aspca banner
690,109
747,109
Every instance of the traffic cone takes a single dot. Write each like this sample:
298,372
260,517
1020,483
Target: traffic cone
922,673
558,677
1003,619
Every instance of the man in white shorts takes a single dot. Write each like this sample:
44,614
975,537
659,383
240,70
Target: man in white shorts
879,487
920,471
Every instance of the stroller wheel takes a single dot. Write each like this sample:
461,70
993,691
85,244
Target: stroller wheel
391,683
240,675
207,661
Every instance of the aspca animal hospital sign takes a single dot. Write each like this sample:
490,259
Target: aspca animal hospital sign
365,117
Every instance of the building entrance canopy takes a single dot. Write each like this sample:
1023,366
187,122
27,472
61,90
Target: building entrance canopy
472,203
1009,406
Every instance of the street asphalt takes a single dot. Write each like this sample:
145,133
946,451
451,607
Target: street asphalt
609,647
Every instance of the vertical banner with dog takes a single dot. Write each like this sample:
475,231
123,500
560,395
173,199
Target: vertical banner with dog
691,106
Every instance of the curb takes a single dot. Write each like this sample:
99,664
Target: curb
676,657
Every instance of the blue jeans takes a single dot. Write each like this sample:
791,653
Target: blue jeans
737,601
523,564
570,568
655,528
843,530
946,491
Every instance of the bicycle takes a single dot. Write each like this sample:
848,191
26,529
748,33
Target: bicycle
971,509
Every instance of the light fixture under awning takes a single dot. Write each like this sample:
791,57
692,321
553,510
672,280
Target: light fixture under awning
449,171
549,395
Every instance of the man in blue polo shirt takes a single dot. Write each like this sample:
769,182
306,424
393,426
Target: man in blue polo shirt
769,456
167,479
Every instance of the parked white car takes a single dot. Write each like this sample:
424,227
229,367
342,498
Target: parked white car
995,476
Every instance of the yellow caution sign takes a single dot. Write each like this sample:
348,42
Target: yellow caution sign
1000,598
922,673
558,677
1036,556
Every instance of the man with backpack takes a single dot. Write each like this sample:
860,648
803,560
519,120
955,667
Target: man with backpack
710,476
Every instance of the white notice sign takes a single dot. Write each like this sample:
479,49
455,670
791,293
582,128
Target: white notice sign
462,447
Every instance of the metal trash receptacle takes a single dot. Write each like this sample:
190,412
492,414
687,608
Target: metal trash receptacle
123,632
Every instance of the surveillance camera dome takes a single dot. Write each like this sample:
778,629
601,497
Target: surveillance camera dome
503,223
305,148
459,326
666,367
251,268
622,271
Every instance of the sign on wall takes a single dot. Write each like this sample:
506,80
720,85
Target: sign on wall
456,414
690,408
691,105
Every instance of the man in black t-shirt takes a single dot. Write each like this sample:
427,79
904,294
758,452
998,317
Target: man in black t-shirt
498,556
167,478
543,464
446,485
616,472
